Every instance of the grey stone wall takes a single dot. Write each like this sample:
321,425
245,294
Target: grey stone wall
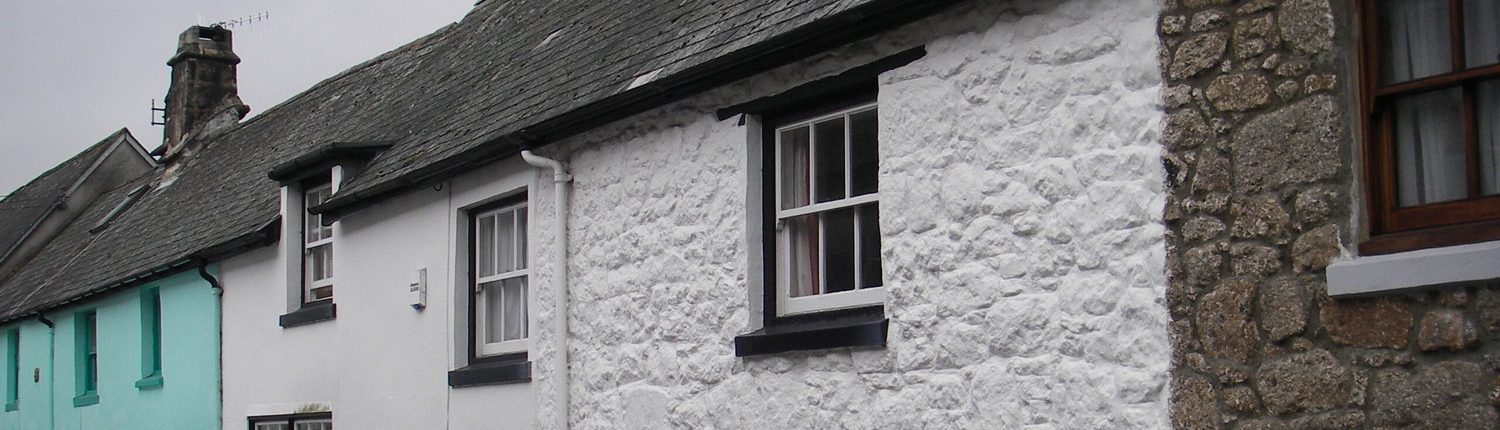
1262,161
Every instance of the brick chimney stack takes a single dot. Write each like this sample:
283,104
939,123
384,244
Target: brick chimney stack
203,97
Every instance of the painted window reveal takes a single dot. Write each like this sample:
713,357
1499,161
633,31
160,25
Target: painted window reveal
827,217
317,261
500,275
86,358
1433,87
12,368
150,333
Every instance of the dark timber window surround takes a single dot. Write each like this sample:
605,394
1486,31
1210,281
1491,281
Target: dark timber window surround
308,421
1430,73
819,214
498,315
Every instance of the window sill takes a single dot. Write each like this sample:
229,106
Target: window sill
310,313
487,373
12,407
153,381
861,331
1433,266
86,400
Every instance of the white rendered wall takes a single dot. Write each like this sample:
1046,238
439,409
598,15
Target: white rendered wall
1021,195
381,363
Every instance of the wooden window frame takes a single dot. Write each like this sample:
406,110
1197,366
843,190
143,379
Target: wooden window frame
290,420
151,325
308,284
86,358
478,313
12,369
1393,228
786,305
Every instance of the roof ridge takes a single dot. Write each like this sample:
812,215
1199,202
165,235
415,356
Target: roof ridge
59,165
414,45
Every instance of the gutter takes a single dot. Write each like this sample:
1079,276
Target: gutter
263,236
821,35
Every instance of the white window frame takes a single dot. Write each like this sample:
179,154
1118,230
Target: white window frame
858,297
481,311
308,285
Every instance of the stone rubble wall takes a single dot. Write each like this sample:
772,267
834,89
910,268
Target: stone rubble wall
1023,246
1261,154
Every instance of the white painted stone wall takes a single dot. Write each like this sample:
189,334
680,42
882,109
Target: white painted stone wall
1021,195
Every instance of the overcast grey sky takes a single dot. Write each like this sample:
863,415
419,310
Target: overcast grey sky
74,71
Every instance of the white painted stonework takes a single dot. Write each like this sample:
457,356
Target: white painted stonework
1021,192
1021,196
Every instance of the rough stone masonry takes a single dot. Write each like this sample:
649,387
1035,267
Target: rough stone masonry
1262,159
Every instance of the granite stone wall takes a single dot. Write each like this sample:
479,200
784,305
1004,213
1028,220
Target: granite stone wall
1020,192
1262,155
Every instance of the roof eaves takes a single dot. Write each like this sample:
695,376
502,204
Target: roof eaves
834,30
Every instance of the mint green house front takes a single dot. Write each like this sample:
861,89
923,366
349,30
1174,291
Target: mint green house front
153,362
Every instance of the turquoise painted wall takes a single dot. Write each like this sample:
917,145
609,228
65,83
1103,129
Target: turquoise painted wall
188,395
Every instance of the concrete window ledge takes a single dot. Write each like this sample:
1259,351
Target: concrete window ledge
310,313
1434,266
87,399
149,382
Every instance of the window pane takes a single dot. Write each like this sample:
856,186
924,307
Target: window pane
514,290
318,263
271,426
484,250
1415,40
1429,139
311,228
864,153
1481,32
838,248
320,293
1488,116
869,246
315,425
802,255
494,309
521,238
794,168
505,242
828,141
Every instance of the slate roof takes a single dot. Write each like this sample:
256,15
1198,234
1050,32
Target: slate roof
511,73
26,206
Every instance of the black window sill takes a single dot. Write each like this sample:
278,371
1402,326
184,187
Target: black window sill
490,373
856,331
310,313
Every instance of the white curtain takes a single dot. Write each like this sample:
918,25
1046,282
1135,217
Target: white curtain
1430,159
1416,43
1488,115
1482,32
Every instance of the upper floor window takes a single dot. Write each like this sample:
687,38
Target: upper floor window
827,212
12,368
86,358
317,254
500,279
1432,95
150,338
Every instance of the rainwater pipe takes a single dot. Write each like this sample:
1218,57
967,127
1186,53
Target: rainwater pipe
560,179
51,370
